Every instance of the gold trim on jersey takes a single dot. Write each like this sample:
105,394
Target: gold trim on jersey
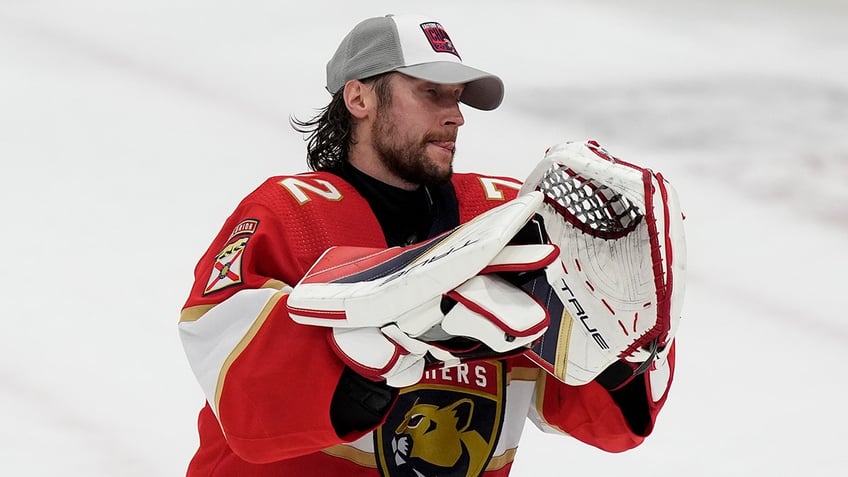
563,342
240,347
276,284
500,461
194,313
359,457
524,374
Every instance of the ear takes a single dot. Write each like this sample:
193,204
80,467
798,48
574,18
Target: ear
462,410
359,98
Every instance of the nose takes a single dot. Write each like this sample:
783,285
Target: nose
453,115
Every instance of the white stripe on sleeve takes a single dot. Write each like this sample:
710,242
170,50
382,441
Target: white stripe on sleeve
211,340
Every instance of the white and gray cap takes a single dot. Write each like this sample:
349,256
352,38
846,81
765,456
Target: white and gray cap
413,45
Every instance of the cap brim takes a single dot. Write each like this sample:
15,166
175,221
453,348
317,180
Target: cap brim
482,90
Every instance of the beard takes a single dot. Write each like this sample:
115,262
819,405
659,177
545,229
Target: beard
406,158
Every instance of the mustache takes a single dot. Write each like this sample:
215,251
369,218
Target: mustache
440,137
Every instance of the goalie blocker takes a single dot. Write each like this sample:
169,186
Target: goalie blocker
391,312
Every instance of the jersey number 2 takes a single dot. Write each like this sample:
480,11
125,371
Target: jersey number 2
300,189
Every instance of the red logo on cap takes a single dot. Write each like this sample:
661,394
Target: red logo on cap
438,38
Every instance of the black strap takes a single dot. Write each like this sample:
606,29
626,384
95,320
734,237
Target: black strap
359,404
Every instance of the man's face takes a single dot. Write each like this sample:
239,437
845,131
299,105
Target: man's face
415,132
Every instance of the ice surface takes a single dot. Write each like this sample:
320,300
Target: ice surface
129,130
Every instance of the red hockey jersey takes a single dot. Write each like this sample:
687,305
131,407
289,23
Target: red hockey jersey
269,381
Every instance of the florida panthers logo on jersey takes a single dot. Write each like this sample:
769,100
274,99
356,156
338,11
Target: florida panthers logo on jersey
226,271
447,425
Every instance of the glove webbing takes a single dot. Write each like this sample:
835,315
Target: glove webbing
589,205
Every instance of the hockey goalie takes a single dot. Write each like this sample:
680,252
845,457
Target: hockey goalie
556,299
608,236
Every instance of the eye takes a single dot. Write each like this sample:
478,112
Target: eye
415,421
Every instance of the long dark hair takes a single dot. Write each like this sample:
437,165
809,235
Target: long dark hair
329,133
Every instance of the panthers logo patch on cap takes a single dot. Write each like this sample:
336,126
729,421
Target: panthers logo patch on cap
439,39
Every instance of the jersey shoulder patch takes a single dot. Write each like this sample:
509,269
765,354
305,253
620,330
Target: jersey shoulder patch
226,270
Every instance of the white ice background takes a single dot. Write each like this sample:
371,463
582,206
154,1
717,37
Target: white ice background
130,129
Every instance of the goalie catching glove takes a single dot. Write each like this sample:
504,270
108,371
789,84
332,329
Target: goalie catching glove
615,302
392,311
618,295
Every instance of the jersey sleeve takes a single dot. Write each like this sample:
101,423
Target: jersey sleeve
614,421
268,380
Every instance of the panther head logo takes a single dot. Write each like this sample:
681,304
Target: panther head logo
431,439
